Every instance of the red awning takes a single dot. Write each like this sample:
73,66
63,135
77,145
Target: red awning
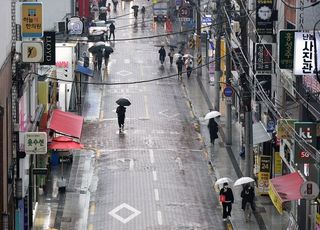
288,186
64,143
66,123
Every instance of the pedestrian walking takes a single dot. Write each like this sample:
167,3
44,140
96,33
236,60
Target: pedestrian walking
143,12
115,3
227,199
112,28
213,130
189,66
170,54
99,57
121,112
135,12
106,55
247,195
162,54
179,64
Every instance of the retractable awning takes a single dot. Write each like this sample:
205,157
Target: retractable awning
66,123
285,188
260,133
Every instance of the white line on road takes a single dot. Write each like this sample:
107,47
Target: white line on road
156,194
146,106
159,217
151,156
155,178
131,164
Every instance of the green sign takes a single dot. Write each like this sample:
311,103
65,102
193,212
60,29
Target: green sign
308,132
286,49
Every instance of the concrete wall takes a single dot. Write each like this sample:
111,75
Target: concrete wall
5,35
53,11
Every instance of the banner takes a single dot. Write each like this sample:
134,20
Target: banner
49,49
286,49
263,57
307,131
264,174
264,21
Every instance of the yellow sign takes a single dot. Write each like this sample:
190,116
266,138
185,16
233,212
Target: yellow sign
285,128
275,198
318,218
31,25
263,182
277,164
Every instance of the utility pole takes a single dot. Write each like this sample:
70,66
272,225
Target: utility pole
217,56
246,92
228,75
198,41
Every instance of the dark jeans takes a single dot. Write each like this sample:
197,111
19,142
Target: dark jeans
120,121
111,32
226,209
99,64
171,60
189,70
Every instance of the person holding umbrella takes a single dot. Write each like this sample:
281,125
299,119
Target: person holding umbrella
189,66
227,199
247,196
213,130
99,57
162,54
135,11
121,112
179,64
170,54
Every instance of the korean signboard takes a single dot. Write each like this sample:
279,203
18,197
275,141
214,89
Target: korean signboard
49,39
285,128
264,20
31,25
304,52
286,49
307,131
264,174
35,142
263,57
265,81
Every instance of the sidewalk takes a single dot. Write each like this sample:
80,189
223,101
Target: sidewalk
200,95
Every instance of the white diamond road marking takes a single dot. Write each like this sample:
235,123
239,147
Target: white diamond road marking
124,73
164,113
114,214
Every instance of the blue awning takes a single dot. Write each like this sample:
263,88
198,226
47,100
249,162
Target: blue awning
83,70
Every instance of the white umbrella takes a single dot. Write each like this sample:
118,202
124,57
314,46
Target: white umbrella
212,114
223,180
177,55
103,8
243,180
187,56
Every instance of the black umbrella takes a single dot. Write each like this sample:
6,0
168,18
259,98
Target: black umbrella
123,102
108,49
135,6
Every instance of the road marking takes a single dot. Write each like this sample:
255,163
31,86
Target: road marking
146,106
92,208
159,217
156,194
131,164
155,178
134,214
151,156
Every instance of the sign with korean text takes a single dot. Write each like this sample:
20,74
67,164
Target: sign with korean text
285,128
304,53
49,51
286,49
264,174
277,162
307,131
31,15
264,21
35,142
263,57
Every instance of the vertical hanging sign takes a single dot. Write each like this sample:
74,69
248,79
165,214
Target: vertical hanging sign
31,24
264,20
308,132
49,51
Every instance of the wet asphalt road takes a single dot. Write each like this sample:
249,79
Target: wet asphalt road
154,176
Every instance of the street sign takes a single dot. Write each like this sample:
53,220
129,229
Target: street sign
32,51
271,126
229,100
309,190
35,142
31,15
228,91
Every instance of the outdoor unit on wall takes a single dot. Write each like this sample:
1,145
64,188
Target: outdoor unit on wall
60,27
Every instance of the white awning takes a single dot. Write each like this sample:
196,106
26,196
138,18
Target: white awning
260,133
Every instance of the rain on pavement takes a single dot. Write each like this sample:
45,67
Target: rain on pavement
155,175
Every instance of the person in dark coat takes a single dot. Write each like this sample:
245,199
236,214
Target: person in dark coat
99,57
213,130
170,54
229,199
106,55
179,64
121,112
247,195
162,54
112,28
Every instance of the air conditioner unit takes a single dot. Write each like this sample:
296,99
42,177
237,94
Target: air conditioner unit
60,27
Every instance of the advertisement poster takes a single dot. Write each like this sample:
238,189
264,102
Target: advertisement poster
264,174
